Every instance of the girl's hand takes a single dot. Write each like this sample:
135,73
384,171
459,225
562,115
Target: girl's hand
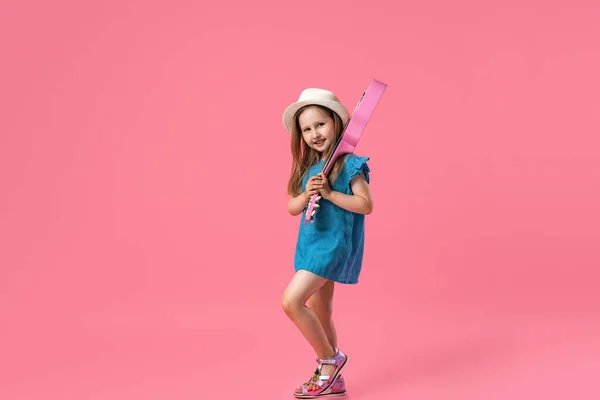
325,190
312,186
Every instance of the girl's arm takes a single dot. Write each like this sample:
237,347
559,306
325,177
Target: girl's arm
297,204
360,203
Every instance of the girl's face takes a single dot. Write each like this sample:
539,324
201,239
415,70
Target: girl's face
317,129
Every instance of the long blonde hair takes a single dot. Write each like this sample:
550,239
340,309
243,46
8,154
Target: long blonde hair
303,156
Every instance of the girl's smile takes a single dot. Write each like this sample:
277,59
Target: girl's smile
319,142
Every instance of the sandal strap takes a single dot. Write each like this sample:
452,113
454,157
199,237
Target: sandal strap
322,381
318,383
328,360
313,378
323,361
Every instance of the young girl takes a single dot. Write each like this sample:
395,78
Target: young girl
329,249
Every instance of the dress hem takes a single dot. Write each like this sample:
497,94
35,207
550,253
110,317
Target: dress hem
349,282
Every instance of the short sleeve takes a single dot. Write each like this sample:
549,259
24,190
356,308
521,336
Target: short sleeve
356,165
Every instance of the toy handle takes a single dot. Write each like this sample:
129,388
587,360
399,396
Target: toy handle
310,208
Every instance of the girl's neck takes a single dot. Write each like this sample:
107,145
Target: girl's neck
323,156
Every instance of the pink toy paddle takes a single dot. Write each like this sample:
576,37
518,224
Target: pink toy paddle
352,132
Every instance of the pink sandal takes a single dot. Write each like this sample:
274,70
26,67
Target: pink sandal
329,385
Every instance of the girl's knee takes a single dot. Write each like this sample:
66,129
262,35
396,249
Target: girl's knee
290,304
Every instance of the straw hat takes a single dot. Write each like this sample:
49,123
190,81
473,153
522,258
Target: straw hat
321,97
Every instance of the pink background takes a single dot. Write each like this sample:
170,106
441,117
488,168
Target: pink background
144,238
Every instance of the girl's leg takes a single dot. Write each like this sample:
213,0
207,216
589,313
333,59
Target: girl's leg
321,303
302,286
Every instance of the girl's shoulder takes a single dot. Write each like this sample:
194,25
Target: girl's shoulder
352,158
354,165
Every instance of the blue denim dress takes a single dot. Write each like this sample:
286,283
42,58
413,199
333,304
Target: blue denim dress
332,246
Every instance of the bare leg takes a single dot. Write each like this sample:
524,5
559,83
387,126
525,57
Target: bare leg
321,305
302,286
321,302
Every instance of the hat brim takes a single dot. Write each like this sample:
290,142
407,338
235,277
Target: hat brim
288,114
